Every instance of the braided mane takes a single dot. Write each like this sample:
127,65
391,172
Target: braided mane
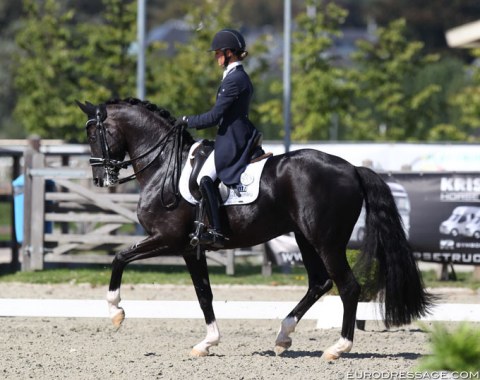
146,104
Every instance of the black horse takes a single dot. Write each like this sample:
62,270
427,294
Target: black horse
315,195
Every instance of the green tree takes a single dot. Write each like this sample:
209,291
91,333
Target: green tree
7,95
467,101
186,83
388,106
448,74
59,63
320,91
427,20
44,70
10,11
106,60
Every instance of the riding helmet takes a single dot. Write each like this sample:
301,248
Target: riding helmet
228,39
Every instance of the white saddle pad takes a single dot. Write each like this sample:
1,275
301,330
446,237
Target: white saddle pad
249,188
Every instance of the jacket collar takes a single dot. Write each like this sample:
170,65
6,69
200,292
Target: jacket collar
232,66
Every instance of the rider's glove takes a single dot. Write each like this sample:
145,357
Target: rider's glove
181,122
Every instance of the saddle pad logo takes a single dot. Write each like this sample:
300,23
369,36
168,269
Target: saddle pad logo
246,179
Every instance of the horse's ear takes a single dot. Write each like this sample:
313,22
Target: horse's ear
88,108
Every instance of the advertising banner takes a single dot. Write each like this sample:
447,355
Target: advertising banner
444,220
440,214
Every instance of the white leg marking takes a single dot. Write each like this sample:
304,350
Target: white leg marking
283,341
116,313
335,351
212,339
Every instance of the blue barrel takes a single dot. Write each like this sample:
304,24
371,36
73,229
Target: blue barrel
18,202
18,205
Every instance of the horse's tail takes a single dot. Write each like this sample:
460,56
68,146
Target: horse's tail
385,240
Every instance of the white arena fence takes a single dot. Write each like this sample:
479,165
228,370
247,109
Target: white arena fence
327,312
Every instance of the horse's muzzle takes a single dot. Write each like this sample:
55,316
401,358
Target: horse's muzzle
106,181
98,182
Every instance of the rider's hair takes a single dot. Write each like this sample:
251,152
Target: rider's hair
241,55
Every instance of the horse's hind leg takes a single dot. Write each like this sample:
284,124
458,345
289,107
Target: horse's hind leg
349,290
318,284
197,266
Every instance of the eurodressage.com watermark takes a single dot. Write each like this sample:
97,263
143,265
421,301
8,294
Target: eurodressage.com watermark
441,375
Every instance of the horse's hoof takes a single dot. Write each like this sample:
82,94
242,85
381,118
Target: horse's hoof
118,318
198,354
328,356
280,348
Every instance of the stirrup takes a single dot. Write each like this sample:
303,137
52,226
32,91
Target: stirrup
213,238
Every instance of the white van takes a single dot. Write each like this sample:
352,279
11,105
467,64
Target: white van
358,232
403,205
456,223
472,229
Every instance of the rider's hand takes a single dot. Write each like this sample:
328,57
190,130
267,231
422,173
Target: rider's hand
181,122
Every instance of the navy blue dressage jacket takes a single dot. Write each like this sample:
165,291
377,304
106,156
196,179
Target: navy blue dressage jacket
236,133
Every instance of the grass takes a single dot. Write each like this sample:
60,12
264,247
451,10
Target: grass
5,221
464,280
5,214
245,274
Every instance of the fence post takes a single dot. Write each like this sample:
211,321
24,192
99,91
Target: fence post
230,262
266,264
476,272
27,194
34,210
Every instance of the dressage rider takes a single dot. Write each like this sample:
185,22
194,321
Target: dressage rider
236,134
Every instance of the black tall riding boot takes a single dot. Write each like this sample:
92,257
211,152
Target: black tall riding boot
213,236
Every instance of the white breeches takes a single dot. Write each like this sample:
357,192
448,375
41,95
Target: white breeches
208,168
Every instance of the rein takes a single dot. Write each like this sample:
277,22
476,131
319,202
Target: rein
174,164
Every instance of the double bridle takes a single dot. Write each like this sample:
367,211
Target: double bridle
112,167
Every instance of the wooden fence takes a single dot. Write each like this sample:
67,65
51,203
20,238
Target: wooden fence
71,222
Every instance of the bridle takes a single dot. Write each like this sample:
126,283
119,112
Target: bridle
112,167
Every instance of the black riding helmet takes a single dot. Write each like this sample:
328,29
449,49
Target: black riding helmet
228,39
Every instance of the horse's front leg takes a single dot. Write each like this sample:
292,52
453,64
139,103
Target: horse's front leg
197,266
116,313
142,250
